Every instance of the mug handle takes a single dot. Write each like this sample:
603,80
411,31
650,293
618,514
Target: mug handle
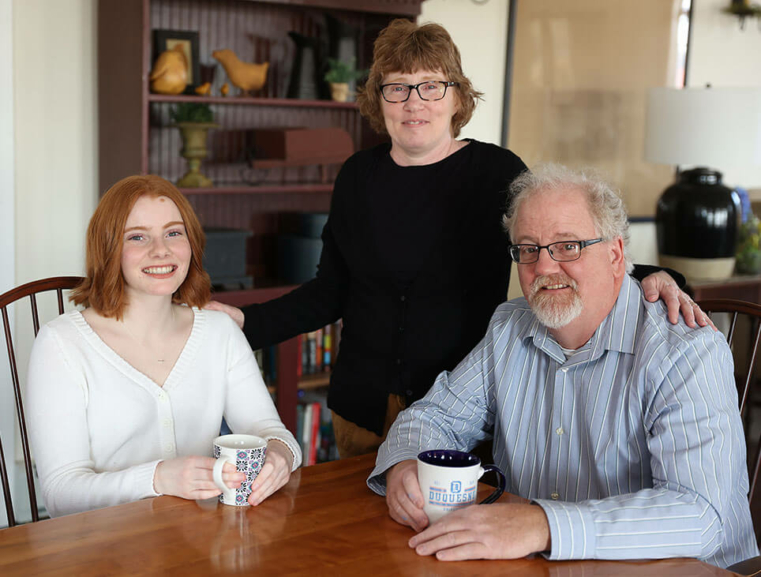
216,473
500,488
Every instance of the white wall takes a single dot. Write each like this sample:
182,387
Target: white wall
480,32
7,244
56,157
722,55
48,89
56,134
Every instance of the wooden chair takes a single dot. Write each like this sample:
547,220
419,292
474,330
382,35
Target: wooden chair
744,377
58,284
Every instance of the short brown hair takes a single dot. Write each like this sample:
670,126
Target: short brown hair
103,287
406,47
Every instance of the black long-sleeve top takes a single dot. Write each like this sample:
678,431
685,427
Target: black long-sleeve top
414,260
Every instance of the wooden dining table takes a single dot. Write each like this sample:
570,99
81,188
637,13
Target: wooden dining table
325,521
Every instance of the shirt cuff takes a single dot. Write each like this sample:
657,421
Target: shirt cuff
145,479
572,530
296,456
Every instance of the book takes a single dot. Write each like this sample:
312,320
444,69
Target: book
300,427
326,348
314,438
318,351
306,433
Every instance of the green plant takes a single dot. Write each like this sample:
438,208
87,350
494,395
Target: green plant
749,246
192,112
341,72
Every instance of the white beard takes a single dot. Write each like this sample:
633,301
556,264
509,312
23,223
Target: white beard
553,311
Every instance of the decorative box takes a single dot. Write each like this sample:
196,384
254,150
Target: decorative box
225,256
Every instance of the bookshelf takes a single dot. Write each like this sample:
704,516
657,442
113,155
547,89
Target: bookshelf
136,135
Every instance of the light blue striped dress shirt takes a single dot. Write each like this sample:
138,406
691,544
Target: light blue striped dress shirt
633,446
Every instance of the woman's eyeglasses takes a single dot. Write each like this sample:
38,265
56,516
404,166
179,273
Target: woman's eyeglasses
428,90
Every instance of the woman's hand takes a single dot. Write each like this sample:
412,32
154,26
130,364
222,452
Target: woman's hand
275,472
190,477
234,313
661,285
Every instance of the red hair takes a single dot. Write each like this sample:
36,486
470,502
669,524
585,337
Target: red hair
103,286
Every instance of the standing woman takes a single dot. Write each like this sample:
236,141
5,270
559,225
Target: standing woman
126,397
414,257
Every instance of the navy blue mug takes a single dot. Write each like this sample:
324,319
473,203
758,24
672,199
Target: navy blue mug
449,481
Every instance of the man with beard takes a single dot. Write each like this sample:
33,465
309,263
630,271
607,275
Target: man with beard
622,429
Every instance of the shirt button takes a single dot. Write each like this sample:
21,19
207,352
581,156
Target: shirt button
409,392
398,361
401,329
162,396
167,422
555,496
559,430
169,448
402,298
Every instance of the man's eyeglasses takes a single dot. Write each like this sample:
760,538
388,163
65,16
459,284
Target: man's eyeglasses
428,90
563,251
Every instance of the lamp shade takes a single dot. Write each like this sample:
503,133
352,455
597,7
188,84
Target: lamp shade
714,127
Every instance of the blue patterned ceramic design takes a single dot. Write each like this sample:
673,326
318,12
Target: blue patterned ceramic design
247,459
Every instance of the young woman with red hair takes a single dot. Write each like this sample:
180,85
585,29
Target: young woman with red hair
126,397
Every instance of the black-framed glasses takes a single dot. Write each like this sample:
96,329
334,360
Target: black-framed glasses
563,251
428,90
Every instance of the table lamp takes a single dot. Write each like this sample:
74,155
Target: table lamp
698,218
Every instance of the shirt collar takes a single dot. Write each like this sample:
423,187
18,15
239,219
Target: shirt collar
617,332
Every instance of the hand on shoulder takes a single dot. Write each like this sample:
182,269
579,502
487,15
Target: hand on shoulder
233,312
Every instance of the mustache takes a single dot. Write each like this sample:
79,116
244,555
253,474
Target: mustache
542,281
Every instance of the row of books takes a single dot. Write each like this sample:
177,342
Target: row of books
318,350
314,429
317,353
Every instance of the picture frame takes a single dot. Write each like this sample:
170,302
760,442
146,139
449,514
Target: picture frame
167,40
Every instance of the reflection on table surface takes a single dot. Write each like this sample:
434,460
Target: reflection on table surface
324,522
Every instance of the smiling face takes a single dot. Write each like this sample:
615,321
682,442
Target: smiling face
576,295
156,251
419,128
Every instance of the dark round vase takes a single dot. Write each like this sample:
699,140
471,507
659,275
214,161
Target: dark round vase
697,225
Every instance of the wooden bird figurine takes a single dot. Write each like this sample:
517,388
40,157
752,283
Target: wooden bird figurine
245,75
225,89
170,72
204,89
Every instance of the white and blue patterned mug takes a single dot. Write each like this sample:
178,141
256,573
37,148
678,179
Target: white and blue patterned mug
449,481
246,452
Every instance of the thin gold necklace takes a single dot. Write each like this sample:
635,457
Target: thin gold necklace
141,343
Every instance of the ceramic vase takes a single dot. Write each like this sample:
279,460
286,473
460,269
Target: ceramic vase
697,225
194,135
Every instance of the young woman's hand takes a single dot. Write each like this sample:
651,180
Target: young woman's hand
190,477
275,472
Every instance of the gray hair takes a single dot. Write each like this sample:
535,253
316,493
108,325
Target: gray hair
605,204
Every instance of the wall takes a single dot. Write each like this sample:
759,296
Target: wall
722,55
56,133
54,156
6,215
480,32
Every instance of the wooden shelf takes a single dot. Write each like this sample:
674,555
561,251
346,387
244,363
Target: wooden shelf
316,381
308,382
252,100
260,294
317,188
